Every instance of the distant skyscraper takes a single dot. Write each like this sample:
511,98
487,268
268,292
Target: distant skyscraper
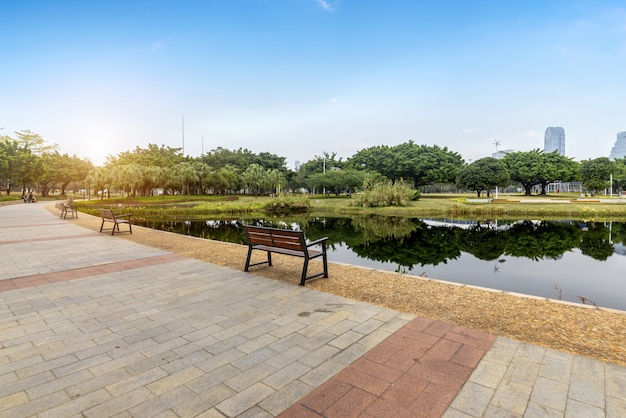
619,149
297,165
554,140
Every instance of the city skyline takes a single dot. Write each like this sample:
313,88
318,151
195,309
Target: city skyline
300,77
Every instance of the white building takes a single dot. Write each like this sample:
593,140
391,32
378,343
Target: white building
554,140
502,153
619,149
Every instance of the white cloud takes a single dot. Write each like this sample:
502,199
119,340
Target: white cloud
325,5
469,130
530,133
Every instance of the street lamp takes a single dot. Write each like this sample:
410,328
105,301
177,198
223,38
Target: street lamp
324,172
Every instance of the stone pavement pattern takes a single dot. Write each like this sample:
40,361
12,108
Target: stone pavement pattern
95,326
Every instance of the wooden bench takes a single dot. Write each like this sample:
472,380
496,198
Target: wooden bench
65,209
108,215
284,241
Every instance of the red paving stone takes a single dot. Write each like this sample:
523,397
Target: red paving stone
79,273
415,372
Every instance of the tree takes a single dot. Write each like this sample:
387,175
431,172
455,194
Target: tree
254,178
224,179
596,174
421,163
34,142
619,174
99,178
483,175
525,168
153,155
186,174
337,181
557,167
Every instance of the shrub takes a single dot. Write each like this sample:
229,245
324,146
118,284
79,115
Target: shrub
386,193
286,204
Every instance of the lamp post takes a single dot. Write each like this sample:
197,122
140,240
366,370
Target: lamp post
324,172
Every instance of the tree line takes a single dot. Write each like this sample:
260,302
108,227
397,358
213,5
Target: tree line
27,162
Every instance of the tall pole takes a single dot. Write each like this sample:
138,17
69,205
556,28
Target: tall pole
324,168
183,135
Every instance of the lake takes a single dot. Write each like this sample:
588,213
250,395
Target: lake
577,261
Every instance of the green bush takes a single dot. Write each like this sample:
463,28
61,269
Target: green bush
286,204
386,193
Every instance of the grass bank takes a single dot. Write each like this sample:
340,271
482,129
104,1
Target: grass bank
456,206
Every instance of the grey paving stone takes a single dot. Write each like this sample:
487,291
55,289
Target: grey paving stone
615,407
473,400
550,393
512,396
244,380
615,381
534,410
587,382
576,409
488,373
242,401
76,405
287,375
557,366
282,399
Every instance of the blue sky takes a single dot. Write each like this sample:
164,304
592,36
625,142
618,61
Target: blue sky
299,77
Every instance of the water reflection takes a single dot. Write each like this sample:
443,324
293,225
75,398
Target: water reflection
572,260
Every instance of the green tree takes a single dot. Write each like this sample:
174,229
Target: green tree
99,179
153,155
224,180
619,174
557,167
186,174
421,163
483,175
525,168
596,174
254,178
337,181
34,142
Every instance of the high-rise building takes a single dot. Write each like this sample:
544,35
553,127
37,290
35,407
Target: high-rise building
554,140
619,149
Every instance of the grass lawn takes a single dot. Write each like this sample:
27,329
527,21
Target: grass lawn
458,206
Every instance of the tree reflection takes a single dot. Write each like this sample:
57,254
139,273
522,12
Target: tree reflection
483,242
537,240
409,242
595,242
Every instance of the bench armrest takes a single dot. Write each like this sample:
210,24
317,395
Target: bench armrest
317,241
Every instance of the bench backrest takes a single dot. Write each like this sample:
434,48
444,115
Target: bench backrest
276,237
106,213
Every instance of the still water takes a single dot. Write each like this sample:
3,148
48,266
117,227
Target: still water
577,261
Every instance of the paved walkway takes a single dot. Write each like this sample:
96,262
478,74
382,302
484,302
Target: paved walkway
96,326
